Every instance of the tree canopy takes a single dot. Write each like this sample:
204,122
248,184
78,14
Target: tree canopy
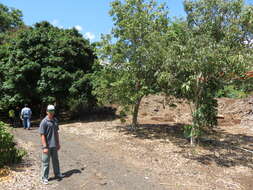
10,18
131,53
46,64
207,50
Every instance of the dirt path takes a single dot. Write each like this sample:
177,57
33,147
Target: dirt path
102,153
88,166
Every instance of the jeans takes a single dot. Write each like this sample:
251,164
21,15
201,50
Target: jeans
52,152
26,122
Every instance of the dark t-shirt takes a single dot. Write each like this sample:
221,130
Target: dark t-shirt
49,128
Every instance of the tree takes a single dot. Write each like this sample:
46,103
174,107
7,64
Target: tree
42,65
130,54
208,51
10,20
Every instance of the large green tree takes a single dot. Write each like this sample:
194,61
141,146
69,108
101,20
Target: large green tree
131,54
45,64
208,50
10,19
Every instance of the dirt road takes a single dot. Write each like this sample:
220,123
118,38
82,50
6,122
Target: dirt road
102,153
88,166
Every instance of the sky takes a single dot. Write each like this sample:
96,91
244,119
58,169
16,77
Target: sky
90,17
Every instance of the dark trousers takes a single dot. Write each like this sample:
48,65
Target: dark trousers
11,119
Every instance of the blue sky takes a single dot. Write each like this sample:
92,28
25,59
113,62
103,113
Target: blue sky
90,17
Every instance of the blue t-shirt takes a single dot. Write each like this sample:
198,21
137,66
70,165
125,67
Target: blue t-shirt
49,128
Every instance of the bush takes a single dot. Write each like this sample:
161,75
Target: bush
9,154
231,91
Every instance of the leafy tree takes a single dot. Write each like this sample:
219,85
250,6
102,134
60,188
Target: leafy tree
10,19
130,54
43,65
208,51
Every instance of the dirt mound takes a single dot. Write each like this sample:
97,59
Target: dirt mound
156,109
236,111
159,109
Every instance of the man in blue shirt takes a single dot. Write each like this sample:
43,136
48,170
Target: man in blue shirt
25,116
50,144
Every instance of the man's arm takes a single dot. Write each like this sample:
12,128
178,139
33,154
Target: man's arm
44,143
42,132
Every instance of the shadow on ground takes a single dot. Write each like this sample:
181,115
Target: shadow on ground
94,115
90,115
66,174
218,147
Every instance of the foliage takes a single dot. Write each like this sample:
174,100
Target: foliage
205,52
245,85
231,91
191,131
131,54
9,153
46,65
10,19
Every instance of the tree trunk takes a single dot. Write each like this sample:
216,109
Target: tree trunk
135,113
42,111
57,110
193,138
194,109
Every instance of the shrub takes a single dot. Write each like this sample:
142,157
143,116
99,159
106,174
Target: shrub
9,154
231,91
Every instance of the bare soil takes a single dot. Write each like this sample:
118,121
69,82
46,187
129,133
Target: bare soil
106,154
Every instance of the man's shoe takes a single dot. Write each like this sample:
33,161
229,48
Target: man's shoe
45,181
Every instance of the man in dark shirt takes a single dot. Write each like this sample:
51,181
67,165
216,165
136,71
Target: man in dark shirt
50,144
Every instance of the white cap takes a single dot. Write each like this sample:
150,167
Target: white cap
50,107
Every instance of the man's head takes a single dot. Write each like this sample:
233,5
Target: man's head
26,105
50,110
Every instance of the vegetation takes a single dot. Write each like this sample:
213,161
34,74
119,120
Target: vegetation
194,59
132,51
9,153
10,19
44,64
208,51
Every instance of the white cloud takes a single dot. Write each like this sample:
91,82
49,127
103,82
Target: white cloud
78,27
56,23
89,35
249,43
